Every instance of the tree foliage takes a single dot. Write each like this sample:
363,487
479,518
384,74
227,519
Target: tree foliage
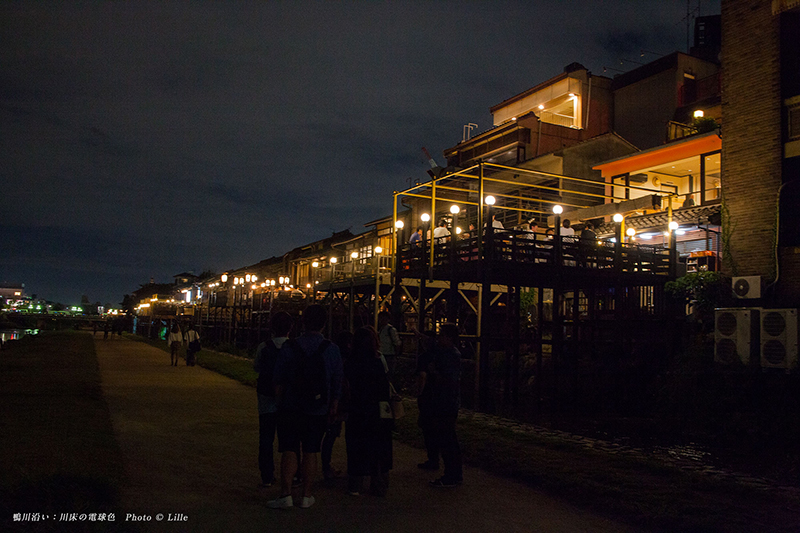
703,290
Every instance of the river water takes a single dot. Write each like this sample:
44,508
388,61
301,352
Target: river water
15,334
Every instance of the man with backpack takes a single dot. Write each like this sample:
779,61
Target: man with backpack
264,364
308,384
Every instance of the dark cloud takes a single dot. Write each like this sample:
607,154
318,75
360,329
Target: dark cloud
141,140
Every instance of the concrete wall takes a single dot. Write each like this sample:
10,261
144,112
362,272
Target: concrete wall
653,99
643,108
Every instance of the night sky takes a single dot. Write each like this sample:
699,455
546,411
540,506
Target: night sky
141,140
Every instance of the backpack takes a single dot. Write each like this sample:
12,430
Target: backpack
265,384
310,379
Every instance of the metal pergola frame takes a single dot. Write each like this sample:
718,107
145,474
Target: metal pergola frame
447,189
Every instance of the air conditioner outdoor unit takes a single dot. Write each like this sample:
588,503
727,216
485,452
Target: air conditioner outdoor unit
746,287
736,336
779,338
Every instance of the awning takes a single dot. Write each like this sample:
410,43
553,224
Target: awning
661,155
698,215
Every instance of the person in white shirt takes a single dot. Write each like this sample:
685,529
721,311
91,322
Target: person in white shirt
175,339
567,229
440,233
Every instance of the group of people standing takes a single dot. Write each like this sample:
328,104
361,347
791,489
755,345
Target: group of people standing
308,386
441,232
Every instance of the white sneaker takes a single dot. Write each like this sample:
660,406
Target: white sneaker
307,502
281,503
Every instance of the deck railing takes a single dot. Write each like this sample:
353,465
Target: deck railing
522,247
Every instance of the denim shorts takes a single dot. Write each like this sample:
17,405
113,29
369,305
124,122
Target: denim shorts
296,429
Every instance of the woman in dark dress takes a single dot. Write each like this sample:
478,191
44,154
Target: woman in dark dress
368,436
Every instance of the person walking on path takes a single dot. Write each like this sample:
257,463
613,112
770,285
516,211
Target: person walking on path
192,345
266,357
308,385
390,344
174,339
369,435
445,402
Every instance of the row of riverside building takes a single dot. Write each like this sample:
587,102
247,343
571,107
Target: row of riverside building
690,163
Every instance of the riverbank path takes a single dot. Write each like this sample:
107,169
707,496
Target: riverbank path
189,440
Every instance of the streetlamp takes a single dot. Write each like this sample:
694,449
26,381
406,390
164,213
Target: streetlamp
619,221
353,259
673,248
314,267
488,227
333,266
398,225
557,210
454,210
426,218
376,258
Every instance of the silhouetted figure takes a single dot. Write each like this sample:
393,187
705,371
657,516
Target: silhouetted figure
368,435
390,344
425,385
307,391
445,403
192,345
588,244
345,343
264,363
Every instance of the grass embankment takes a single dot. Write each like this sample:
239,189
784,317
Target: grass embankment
650,494
58,452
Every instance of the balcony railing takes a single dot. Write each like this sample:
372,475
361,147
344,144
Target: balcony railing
358,269
521,247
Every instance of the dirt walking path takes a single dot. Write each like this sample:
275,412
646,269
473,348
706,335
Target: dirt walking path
189,438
